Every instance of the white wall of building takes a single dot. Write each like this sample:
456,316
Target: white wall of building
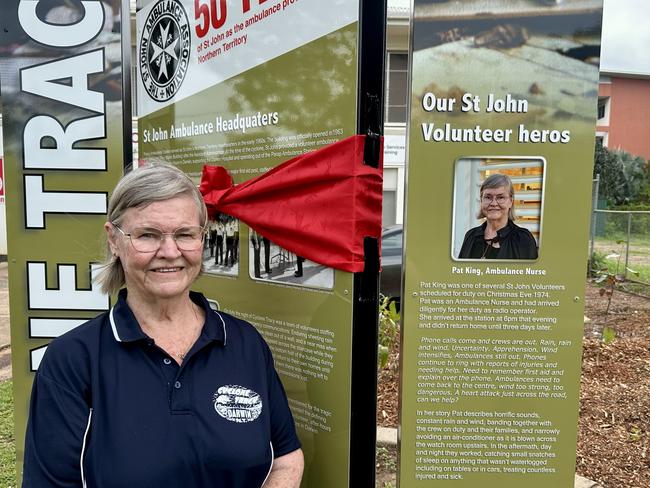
397,41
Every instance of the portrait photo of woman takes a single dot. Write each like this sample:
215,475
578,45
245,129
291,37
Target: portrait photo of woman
502,233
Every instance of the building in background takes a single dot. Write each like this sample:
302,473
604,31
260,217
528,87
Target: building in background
623,108
396,110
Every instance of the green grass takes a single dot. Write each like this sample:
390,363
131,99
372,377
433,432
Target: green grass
638,272
7,441
639,246
638,275
639,256
613,241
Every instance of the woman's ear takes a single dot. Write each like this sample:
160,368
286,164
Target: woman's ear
112,238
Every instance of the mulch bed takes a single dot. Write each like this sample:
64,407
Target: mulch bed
614,424
388,390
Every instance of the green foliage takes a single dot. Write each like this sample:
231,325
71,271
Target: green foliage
643,198
607,277
386,459
644,206
609,334
7,441
598,263
635,434
388,328
616,224
604,266
623,177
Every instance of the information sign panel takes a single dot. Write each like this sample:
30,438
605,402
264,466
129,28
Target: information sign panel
252,85
503,113
62,75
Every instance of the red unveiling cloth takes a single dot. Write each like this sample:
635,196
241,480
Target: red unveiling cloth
319,205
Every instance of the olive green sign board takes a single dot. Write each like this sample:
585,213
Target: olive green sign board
253,97
63,152
492,323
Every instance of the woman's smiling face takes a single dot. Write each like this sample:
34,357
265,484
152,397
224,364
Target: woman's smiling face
167,272
496,203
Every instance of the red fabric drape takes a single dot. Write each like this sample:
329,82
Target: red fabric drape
319,205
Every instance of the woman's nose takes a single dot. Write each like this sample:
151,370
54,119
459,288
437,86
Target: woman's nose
168,247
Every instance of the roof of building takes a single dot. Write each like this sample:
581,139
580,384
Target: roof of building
625,74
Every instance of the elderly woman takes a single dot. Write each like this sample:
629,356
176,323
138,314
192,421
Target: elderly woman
161,390
498,237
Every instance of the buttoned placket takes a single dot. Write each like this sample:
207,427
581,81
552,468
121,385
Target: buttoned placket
178,390
173,377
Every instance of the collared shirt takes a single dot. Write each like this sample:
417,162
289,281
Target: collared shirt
109,408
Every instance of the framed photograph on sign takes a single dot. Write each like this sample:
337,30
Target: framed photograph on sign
498,207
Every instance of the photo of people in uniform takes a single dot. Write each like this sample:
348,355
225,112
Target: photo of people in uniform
269,262
499,215
221,248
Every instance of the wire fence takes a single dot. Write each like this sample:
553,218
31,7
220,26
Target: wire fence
620,241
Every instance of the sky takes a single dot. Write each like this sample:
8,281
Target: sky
626,36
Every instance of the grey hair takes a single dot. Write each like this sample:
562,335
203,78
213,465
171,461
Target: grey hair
138,188
496,181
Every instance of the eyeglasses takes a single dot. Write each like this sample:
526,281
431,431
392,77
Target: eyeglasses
148,239
500,199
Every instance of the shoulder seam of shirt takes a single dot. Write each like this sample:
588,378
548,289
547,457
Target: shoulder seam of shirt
59,385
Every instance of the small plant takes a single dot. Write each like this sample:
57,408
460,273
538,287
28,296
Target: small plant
388,328
608,335
610,278
598,263
386,460
608,275
635,434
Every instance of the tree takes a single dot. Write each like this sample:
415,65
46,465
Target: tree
623,177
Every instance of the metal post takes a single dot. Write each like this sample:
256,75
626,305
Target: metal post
594,205
627,248
127,96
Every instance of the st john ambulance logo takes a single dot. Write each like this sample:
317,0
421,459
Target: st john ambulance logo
165,49
237,403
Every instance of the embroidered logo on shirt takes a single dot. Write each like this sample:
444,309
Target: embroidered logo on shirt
237,404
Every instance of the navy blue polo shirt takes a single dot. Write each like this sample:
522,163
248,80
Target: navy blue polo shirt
111,409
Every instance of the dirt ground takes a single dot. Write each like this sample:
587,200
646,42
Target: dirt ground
614,424
615,393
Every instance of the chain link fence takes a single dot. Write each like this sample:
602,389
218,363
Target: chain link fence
622,236
619,243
